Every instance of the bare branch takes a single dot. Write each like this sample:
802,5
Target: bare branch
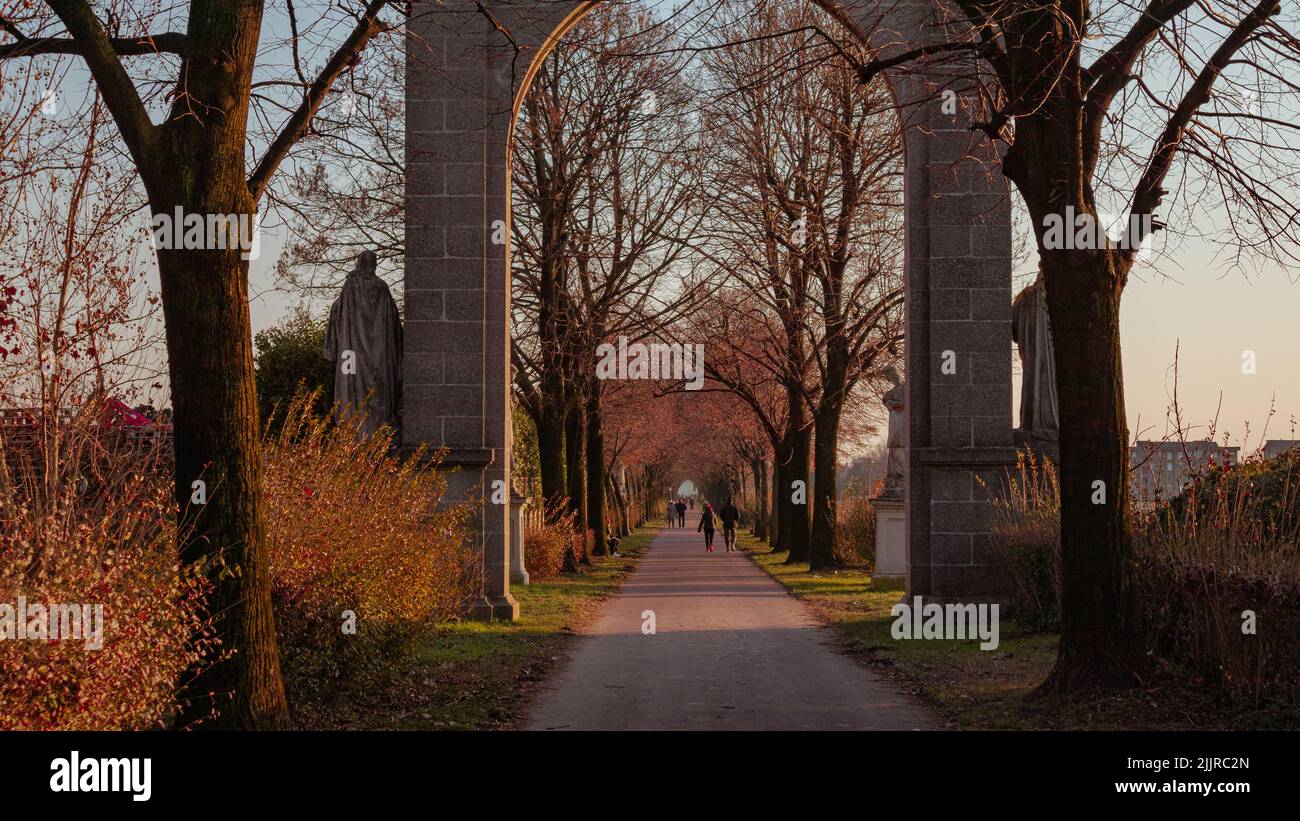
147,45
367,27
119,92
1148,192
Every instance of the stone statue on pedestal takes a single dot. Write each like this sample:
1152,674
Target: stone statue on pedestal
364,341
891,516
895,400
1031,329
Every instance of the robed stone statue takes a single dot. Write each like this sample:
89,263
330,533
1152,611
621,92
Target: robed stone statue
364,341
1031,329
895,401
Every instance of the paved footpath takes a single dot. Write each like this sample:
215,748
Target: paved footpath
732,651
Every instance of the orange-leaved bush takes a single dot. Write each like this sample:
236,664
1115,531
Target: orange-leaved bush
855,525
366,553
87,521
553,544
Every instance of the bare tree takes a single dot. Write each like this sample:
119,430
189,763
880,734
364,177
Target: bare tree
1104,106
78,330
603,196
196,161
344,188
806,197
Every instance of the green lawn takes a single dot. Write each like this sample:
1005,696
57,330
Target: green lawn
976,689
476,676
471,675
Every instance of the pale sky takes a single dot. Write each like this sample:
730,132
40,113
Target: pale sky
1213,313
1209,314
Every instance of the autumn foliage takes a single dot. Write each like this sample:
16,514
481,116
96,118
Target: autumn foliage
101,532
353,532
356,532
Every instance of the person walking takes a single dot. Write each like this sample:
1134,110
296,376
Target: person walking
612,537
672,514
706,526
681,513
730,516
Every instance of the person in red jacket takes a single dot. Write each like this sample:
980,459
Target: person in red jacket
706,526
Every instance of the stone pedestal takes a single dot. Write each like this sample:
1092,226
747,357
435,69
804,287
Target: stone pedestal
891,542
518,575
494,608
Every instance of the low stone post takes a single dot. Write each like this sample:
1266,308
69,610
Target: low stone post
518,575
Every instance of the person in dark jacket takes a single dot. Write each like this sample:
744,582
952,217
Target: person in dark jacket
681,513
706,526
729,516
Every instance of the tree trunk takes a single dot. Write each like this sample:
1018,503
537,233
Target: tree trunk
795,514
596,477
550,454
759,526
615,491
774,502
575,458
210,359
1099,640
781,501
824,531
645,493
198,164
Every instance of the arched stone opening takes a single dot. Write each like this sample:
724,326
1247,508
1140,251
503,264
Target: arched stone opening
467,71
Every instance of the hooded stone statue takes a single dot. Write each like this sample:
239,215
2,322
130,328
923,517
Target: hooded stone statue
364,341
1031,329
895,401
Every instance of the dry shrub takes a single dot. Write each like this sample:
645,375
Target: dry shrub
1192,616
352,527
1225,546
855,526
94,526
1026,533
545,546
551,547
349,527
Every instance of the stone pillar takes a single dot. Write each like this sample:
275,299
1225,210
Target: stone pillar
459,95
518,575
958,332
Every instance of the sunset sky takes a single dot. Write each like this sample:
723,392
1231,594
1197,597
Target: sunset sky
1190,301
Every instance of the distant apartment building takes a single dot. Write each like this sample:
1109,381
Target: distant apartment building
1277,447
1162,469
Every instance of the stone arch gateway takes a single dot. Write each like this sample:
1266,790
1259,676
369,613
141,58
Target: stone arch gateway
468,65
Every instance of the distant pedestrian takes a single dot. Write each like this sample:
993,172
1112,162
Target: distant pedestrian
730,516
612,537
672,514
681,513
706,526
